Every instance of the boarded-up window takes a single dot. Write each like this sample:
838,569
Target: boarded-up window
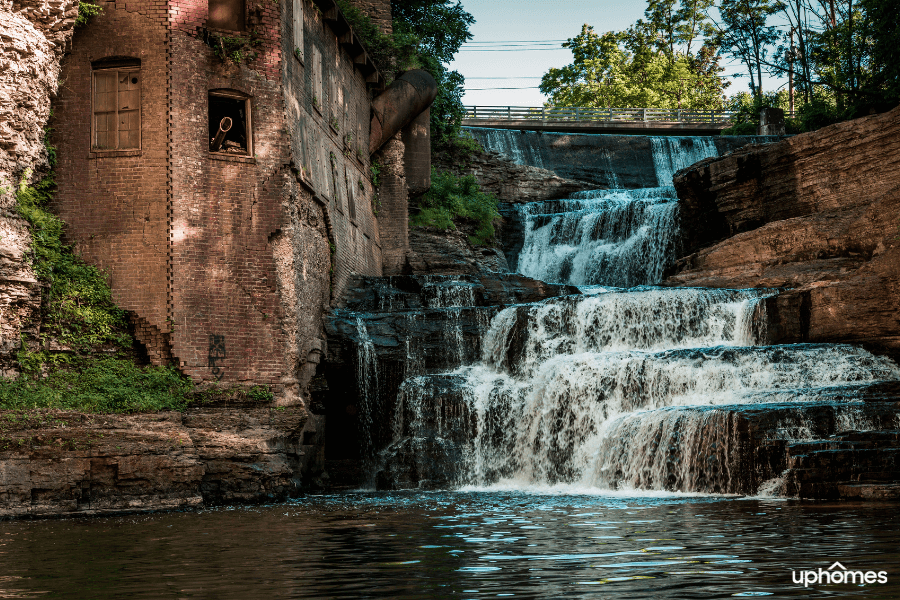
316,79
117,109
226,14
351,194
298,29
230,126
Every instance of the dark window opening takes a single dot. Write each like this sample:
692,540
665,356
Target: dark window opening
226,14
229,125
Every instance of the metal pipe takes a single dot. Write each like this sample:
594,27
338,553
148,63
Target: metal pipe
397,106
224,127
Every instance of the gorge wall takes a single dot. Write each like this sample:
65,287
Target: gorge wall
33,37
816,213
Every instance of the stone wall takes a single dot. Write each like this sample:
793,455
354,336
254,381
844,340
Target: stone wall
816,213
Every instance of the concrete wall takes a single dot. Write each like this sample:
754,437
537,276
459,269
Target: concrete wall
606,160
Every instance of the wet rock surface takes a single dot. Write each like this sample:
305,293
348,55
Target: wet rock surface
604,161
816,213
387,329
56,462
513,182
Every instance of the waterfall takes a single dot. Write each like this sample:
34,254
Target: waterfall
671,154
625,386
623,389
613,237
367,382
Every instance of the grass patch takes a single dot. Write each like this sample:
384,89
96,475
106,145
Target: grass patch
452,199
101,385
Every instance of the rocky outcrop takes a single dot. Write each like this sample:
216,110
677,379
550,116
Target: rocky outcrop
33,35
54,462
816,213
513,182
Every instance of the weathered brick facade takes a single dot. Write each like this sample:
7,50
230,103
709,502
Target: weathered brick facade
225,261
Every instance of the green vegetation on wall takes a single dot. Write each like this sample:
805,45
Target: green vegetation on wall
90,368
452,200
86,11
426,35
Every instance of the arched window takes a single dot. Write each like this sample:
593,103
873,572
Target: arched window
230,124
116,104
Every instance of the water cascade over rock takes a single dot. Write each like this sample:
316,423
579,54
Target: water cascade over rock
625,385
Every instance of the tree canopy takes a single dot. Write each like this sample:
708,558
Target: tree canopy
642,67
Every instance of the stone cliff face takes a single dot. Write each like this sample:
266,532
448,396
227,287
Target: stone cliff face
816,213
33,36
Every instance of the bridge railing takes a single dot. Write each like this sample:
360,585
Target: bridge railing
575,113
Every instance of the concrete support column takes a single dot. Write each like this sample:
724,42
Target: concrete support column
393,217
417,153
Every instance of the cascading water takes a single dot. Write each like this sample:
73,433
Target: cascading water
643,388
613,237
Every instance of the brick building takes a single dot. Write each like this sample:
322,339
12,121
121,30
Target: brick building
228,200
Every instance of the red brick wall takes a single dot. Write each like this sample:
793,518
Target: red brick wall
224,261
226,312
333,165
115,203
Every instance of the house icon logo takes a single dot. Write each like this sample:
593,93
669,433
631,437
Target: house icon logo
838,574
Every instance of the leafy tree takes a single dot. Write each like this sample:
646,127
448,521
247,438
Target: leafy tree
745,34
632,69
437,29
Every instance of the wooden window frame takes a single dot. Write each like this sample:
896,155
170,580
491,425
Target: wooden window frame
248,110
140,130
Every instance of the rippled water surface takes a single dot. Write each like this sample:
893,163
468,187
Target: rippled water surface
478,544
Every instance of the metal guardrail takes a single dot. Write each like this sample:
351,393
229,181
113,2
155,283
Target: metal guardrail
575,113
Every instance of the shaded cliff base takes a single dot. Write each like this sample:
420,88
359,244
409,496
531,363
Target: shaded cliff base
67,463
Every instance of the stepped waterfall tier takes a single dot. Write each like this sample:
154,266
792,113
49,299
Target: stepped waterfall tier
621,386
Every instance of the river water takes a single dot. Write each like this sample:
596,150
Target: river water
550,543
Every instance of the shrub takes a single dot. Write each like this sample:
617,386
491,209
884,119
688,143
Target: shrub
451,199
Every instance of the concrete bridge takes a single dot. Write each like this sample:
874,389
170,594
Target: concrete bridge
643,121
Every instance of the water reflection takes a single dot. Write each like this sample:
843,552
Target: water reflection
458,545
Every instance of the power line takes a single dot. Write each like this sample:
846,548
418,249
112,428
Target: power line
514,50
529,77
533,87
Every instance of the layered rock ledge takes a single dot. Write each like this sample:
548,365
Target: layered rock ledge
816,213
68,463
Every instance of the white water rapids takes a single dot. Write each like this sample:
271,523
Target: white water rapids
639,388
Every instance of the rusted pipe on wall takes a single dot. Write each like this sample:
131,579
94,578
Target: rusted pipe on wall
397,106
224,127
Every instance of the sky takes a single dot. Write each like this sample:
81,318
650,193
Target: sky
544,25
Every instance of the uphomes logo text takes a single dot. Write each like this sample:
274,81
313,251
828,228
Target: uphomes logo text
837,573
